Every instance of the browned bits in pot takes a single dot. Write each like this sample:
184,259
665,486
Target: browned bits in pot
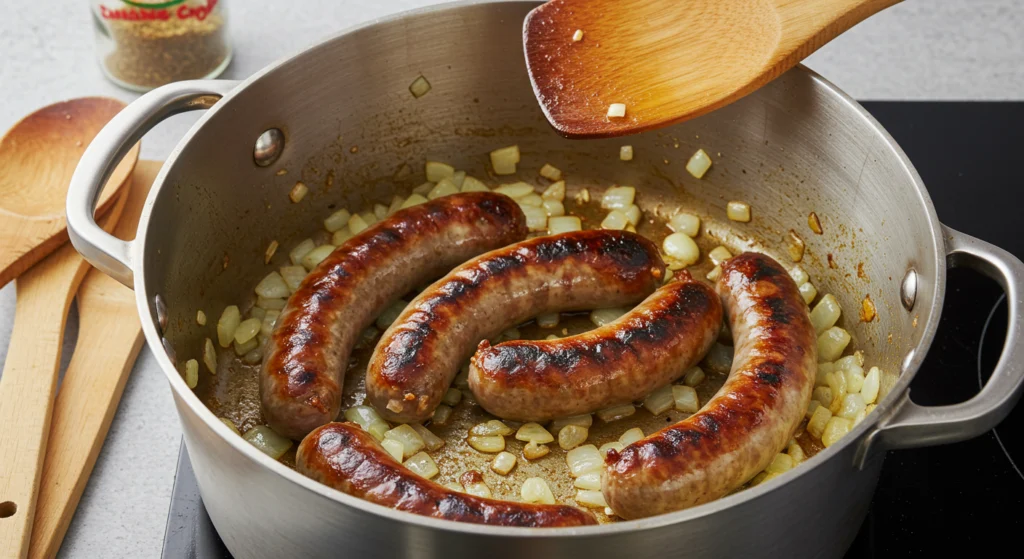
814,223
795,246
867,309
831,262
860,271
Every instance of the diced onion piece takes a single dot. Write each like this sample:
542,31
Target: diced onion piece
430,440
452,397
272,286
564,224
799,275
368,418
553,208
820,417
253,357
633,214
534,432
436,171
589,480
268,441
411,441
298,192
572,436
815,404
257,312
781,463
230,424
698,164
825,314
191,373
247,330
292,277
808,292
600,317
583,196
492,427
210,356
850,361
685,398
687,224
443,188
693,376
462,379
441,415
616,110
626,153
872,381
337,220
714,274
681,247
585,420
390,314
577,36
536,490
533,451
394,448
616,445
422,465
632,435
340,236
489,443
515,190
854,379
796,452
555,191
357,224
548,320
823,395
659,401
478,489
419,87
300,250
853,404
413,200
457,178
615,413
229,321
504,160
536,219
719,359
269,253
836,381
503,463
589,498
814,223
583,459
834,430
317,255
832,342
550,172
510,334
369,217
618,198
200,318
423,189
616,219
532,199
268,322
380,211
472,184
795,246
245,347
719,254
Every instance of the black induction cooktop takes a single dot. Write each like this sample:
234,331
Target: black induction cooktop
962,497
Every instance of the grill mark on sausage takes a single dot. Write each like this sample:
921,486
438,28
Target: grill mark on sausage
343,456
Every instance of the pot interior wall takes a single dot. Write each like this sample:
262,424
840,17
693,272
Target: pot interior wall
351,124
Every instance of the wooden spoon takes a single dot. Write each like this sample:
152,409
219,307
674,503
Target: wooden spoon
109,340
44,294
668,61
38,157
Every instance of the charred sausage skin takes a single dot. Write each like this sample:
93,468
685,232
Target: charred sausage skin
420,354
620,362
306,357
343,456
740,430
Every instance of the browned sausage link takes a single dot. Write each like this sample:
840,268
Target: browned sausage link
738,432
343,456
620,362
418,357
305,359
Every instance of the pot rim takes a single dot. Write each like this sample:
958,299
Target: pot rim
909,366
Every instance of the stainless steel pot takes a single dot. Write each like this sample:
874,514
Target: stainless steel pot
344,111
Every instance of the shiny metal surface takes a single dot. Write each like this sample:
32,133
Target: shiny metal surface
268,148
796,146
908,290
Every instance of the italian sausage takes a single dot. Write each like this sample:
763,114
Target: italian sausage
419,355
620,362
738,432
343,456
308,351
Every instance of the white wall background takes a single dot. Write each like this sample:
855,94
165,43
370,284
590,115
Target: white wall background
920,49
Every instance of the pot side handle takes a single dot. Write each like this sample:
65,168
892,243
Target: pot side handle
104,251
912,425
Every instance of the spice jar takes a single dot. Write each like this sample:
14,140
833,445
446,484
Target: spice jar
142,44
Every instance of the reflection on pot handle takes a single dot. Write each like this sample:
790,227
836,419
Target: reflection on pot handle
912,425
104,251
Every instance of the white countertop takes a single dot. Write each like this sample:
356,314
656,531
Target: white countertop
936,49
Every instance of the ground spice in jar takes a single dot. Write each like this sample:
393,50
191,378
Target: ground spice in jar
145,44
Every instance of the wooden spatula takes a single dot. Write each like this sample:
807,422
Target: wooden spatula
670,60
